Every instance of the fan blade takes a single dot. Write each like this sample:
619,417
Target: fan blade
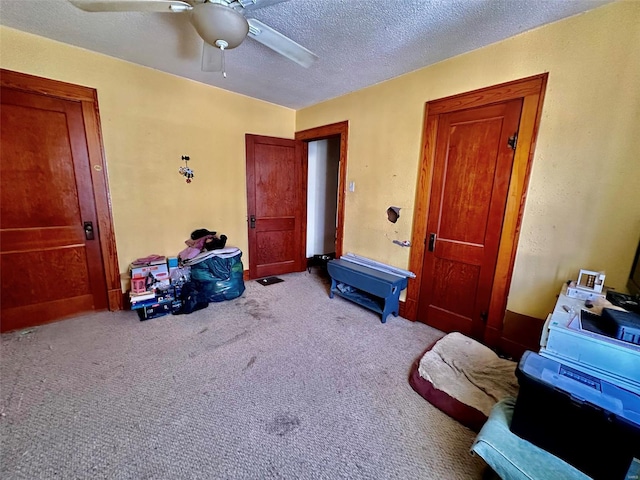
211,58
132,5
278,42
251,5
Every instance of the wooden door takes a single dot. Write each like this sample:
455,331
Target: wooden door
471,174
49,270
276,205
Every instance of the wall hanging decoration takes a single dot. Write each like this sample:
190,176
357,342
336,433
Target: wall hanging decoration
185,171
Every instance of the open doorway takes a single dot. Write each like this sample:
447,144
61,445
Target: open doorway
323,164
325,173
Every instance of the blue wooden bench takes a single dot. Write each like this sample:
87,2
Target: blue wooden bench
376,290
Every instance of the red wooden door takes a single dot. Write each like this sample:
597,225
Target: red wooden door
276,205
49,270
470,181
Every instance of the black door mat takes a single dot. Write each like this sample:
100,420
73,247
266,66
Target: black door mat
269,281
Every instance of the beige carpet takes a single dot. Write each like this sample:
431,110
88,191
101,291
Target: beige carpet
280,383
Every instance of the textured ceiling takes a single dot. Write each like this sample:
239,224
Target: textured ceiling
359,42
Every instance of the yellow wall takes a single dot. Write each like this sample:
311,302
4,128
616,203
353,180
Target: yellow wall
149,120
583,204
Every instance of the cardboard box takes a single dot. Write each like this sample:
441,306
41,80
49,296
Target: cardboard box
154,275
155,310
136,304
157,271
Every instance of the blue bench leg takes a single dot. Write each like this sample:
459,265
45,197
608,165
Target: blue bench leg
333,286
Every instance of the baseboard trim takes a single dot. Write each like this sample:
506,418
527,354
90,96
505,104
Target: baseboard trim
116,299
402,311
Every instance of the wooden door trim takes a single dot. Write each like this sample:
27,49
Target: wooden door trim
531,90
88,99
485,96
304,192
321,133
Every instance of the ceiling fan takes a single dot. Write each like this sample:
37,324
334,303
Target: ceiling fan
221,24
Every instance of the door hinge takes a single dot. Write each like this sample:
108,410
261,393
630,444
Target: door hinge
513,141
484,316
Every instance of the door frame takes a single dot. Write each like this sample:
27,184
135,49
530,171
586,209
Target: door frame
531,90
88,99
320,133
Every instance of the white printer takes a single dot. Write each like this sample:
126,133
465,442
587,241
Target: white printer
564,340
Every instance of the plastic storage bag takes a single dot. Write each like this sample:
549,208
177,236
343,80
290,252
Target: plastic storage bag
218,279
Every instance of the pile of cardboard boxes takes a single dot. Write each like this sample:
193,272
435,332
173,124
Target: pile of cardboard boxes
153,293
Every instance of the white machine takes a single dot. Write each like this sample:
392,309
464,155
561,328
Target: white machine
564,341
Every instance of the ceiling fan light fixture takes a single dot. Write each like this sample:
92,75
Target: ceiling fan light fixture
215,22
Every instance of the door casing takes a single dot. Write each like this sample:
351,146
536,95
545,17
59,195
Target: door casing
340,129
88,99
531,90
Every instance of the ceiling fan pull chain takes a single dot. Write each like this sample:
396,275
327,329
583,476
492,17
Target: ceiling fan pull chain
221,44
224,70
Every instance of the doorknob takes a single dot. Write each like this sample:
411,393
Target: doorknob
88,230
252,221
432,241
